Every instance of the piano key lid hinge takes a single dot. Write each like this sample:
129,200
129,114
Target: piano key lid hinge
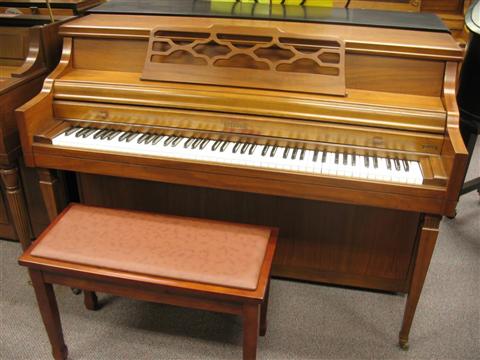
265,58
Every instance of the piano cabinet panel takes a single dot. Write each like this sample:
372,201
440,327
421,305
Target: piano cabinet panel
391,73
322,242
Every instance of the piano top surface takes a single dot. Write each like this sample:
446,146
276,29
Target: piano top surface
293,13
437,44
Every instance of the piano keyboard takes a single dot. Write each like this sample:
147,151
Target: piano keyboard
244,154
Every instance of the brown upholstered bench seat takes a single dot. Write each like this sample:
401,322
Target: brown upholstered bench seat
189,249
189,262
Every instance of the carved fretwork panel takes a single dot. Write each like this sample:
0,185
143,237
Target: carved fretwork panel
247,57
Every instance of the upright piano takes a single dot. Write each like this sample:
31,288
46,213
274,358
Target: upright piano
341,128
29,49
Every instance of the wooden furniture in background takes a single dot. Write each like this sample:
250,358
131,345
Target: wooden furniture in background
399,104
39,7
227,272
30,49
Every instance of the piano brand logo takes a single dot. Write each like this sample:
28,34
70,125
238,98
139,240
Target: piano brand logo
429,147
235,125
378,140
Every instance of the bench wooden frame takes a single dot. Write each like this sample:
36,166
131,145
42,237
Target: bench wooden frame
250,305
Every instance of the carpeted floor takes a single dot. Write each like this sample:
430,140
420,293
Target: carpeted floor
306,321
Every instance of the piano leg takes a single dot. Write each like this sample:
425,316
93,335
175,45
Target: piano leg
426,245
55,200
52,193
17,204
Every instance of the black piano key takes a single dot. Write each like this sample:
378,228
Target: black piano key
216,144
366,160
236,147
196,143
169,140
89,132
252,148
294,153
265,149
285,152
274,150
375,162
177,141
150,139
188,142
124,136
106,134
324,157
302,154
389,163
406,167
132,136
143,138
81,132
244,148
71,130
397,164
345,159
315,155
337,155
99,133
158,139
113,135
204,143
224,146
354,159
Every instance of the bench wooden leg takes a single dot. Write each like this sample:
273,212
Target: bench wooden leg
263,312
49,311
90,300
251,320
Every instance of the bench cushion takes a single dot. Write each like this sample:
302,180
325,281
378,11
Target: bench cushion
180,248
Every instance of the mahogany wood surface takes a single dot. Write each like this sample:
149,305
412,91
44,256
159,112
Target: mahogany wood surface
249,304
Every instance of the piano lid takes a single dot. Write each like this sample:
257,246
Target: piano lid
255,10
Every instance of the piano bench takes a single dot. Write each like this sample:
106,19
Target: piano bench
194,263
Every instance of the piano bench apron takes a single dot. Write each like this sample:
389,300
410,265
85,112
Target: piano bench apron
195,263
